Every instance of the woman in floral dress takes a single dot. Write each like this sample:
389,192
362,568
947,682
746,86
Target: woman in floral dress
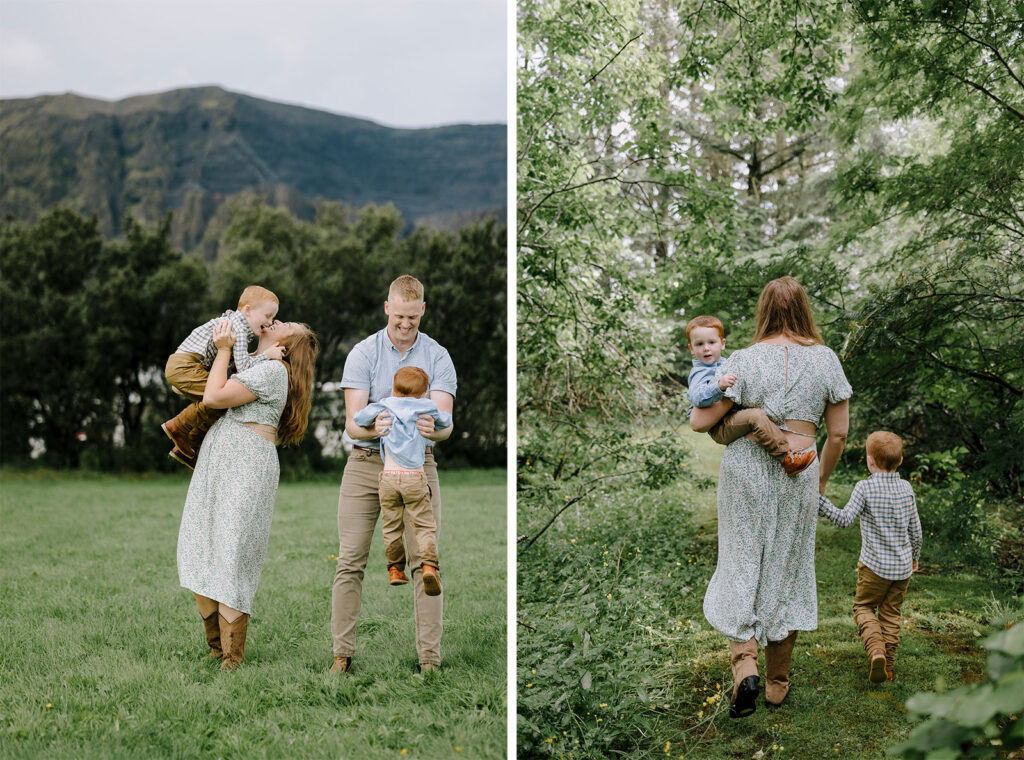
763,590
225,525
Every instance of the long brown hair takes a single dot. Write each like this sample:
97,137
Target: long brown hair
301,350
783,309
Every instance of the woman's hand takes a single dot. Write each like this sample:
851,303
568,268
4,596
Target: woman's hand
223,337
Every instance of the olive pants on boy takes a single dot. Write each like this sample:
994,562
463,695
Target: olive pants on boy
752,421
185,371
881,631
404,500
358,510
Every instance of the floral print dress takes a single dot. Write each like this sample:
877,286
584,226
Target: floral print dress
764,584
225,526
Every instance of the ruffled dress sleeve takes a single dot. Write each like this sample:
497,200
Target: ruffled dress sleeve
837,387
268,381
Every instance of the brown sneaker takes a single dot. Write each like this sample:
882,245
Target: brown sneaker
876,666
179,438
396,577
185,459
797,461
342,665
431,580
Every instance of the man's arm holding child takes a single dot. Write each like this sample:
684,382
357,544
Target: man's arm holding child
844,517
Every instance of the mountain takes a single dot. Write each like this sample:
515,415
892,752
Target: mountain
188,150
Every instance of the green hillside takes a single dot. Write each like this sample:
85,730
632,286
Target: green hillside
188,150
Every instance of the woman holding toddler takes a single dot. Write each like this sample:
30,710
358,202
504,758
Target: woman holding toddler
764,590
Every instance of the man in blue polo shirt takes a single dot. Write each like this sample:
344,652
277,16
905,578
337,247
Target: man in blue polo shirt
369,371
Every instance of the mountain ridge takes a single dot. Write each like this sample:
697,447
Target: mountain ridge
188,150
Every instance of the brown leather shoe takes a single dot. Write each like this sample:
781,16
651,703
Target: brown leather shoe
179,437
342,665
876,666
188,461
431,580
396,577
797,461
232,641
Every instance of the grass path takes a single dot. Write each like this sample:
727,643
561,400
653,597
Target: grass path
101,653
832,709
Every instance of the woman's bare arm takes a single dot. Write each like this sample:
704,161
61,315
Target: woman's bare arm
837,425
220,392
703,419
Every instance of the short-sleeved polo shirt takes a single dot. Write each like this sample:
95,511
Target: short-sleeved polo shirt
372,363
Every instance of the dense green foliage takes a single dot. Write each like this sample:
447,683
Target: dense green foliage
88,324
977,720
673,158
102,653
189,150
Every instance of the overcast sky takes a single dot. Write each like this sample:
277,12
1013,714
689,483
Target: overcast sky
406,63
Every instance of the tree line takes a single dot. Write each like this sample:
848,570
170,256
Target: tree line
674,157
88,323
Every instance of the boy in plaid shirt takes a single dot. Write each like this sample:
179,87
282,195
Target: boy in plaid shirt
189,366
890,531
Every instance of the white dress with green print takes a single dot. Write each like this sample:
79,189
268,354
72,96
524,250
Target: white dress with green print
764,584
225,526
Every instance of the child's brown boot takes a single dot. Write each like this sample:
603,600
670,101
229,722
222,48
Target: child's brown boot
179,435
431,580
232,639
876,666
396,577
342,665
890,662
797,461
179,456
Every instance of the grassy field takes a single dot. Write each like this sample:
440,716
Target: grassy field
612,634
102,653
832,709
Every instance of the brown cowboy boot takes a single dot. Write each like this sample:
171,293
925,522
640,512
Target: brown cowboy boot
744,678
777,656
211,626
232,637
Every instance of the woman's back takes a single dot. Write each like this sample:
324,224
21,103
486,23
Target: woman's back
789,382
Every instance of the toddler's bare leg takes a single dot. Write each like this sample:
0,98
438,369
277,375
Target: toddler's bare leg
749,421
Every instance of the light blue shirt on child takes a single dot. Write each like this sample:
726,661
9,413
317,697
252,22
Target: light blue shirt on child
702,387
403,443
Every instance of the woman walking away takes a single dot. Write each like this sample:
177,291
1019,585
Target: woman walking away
226,522
763,590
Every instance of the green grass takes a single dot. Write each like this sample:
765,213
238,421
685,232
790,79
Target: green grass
832,709
613,635
102,653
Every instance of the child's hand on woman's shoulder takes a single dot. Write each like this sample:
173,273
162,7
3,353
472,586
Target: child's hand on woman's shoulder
727,381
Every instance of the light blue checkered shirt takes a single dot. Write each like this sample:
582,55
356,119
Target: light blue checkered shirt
890,529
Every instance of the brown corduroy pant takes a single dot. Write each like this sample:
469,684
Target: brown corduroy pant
185,371
881,630
752,421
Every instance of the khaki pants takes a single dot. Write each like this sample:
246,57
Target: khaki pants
185,371
404,499
752,421
881,631
358,509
